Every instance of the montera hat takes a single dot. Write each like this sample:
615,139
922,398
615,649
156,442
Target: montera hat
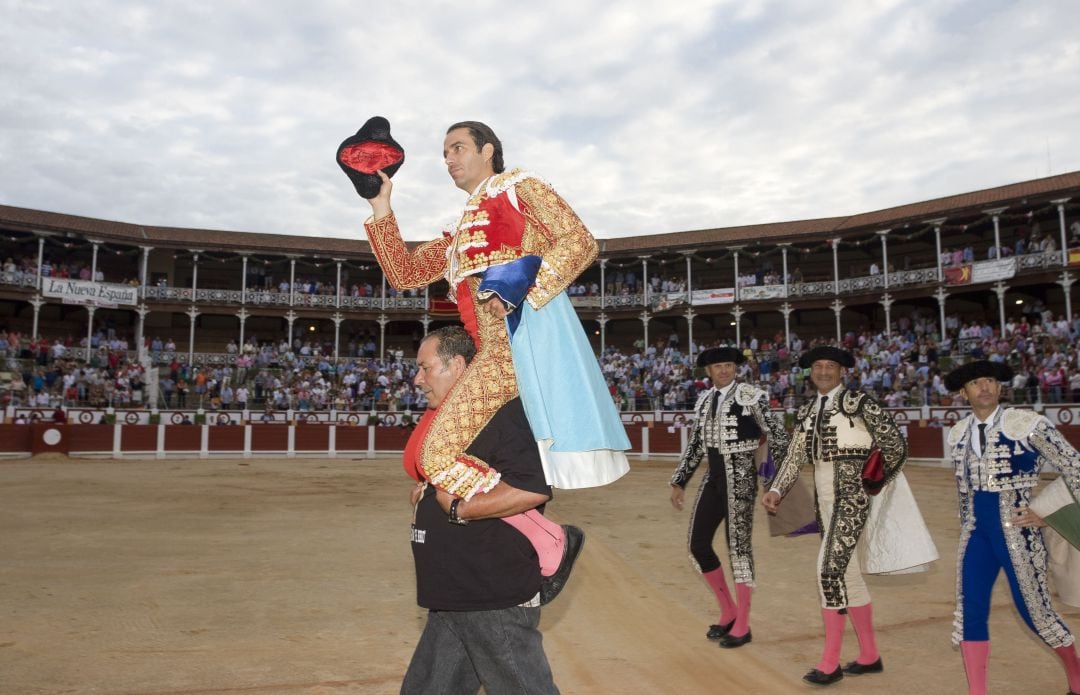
370,150
959,377
827,352
720,354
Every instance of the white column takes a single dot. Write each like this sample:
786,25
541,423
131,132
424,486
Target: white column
602,319
40,260
1066,281
37,302
1060,202
603,295
995,214
93,260
738,312
735,255
887,302
783,252
89,327
1000,288
941,294
338,292
195,277
292,283
690,332
838,307
645,316
884,233
142,310
383,320
243,291
243,316
143,277
937,244
786,310
290,317
836,267
337,318
192,313
645,281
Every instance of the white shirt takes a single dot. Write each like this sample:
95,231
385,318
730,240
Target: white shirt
974,437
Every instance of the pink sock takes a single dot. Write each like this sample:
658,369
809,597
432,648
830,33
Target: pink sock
834,638
862,619
716,580
1072,666
976,661
546,537
743,592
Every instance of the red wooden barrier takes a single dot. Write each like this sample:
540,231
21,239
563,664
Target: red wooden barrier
224,438
183,438
138,438
269,438
663,441
351,438
925,442
90,438
391,438
15,438
312,437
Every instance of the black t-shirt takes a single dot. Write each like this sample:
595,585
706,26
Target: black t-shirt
487,564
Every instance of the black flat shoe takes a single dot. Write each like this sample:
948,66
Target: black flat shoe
818,678
550,587
717,631
729,641
856,669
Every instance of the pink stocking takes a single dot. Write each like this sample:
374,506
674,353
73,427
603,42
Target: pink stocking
1072,666
743,593
834,638
546,537
976,658
862,618
716,580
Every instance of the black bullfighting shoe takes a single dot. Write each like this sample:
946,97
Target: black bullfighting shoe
363,155
551,586
854,668
730,641
717,631
818,678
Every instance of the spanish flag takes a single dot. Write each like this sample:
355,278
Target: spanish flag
1074,256
960,275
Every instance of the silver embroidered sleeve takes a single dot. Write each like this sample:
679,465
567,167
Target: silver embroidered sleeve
772,424
887,437
791,465
1054,449
691,458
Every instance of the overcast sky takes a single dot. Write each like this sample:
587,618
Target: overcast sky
647,117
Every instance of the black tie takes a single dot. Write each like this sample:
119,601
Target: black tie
820,415
982,439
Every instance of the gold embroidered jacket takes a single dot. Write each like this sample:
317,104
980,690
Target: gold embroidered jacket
511,215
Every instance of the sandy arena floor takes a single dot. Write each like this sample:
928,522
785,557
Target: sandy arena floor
295,576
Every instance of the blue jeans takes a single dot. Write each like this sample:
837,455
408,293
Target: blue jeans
501,650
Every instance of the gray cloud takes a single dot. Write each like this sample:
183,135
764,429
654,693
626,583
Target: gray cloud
648,117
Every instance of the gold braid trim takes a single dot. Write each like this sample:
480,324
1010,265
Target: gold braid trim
404,269
487,385
554,231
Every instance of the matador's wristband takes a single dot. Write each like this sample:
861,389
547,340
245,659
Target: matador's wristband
454,519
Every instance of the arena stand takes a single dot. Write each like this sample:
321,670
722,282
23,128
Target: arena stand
127,330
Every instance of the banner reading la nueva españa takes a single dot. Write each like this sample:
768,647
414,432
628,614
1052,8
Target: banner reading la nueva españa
84,292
